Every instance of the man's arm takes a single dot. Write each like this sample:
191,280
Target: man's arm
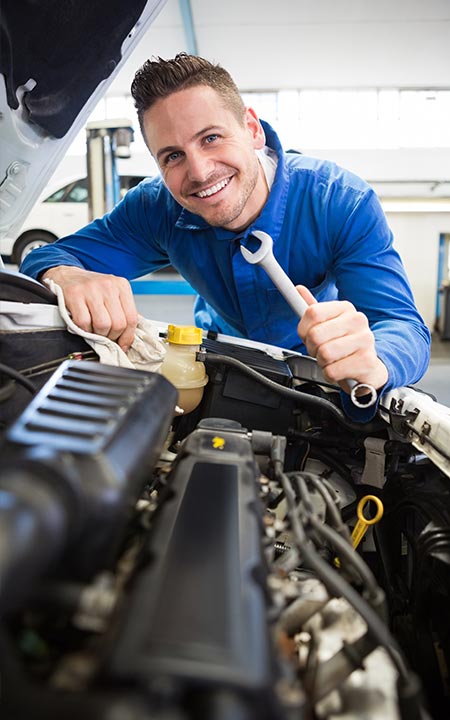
374,332
93,266
369,274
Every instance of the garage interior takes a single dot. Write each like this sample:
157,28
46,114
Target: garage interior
208,605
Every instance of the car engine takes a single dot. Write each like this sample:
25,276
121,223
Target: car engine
260,558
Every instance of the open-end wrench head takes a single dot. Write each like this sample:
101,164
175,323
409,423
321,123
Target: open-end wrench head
264,249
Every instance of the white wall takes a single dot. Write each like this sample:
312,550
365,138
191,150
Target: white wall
416,237
398,164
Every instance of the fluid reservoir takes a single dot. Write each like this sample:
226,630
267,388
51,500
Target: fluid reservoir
181,367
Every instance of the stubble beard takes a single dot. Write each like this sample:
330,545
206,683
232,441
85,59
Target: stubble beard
228,215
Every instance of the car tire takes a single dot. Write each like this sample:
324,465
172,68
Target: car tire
30,241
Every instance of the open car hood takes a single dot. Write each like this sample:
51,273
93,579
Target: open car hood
56,62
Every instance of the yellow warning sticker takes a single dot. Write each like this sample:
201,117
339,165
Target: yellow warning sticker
218,443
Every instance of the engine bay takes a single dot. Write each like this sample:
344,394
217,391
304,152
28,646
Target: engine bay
262,557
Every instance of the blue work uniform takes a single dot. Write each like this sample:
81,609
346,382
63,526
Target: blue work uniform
329,233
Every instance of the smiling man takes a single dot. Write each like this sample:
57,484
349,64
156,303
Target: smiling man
214,172
224,175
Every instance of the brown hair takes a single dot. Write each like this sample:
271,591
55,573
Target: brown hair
159,78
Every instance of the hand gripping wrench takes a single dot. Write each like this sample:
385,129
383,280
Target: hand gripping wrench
264,256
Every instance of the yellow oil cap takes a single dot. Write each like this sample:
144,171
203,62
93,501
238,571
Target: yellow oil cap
184,334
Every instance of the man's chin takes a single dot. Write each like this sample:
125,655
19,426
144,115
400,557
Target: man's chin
217,219
215,216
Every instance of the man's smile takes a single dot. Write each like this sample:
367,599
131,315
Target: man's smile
213,190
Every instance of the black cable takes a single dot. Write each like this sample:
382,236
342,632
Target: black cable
7,389
332,492
332,462
338,587
333,582
51,365
297,396
340,542
343,549
18,377
331,504
317,382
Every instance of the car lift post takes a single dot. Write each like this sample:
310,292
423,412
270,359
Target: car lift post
106,141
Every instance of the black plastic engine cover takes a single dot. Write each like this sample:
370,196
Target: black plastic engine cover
198,612
96,431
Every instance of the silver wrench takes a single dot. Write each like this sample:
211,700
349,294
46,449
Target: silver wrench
264,256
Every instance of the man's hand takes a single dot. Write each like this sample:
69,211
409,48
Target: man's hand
340,339
98,303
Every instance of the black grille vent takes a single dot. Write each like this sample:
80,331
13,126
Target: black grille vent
81,408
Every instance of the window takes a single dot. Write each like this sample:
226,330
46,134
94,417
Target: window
77,191
57,196
73,192
355,119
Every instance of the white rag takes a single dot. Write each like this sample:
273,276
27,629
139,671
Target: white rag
145,353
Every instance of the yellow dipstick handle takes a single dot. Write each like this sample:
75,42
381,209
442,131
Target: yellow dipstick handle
363,523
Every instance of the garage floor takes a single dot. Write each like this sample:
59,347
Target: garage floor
436,380
175,309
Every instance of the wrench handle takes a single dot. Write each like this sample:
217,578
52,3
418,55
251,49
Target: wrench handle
284,285
265,257
287,288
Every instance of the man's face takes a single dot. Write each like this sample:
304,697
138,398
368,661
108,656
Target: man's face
207,158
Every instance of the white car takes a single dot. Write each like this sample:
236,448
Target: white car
62,210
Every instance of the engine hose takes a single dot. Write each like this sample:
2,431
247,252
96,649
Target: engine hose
33,522
308,401
18,377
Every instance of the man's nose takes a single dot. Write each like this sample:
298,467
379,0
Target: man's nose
200,166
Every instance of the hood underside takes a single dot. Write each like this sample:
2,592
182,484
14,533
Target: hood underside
65,54
57,58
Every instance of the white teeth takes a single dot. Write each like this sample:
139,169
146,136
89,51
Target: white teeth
214,189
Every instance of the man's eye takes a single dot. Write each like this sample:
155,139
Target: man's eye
211,138
171,158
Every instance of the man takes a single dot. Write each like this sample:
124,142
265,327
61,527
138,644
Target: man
224,175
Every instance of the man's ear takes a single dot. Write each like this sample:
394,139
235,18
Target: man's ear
255,128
